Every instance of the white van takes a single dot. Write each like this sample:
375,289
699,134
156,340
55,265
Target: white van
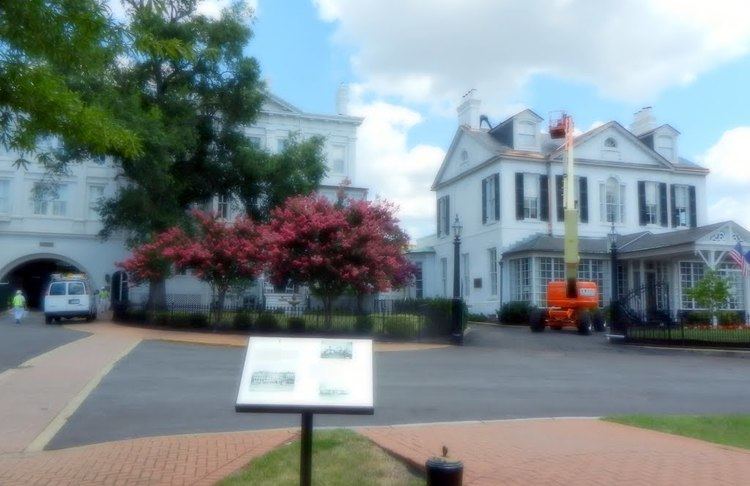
69,296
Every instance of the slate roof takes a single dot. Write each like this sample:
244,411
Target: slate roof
644,240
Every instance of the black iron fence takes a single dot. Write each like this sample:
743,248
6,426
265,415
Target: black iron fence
393,320
683,332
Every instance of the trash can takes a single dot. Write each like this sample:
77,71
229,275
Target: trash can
442,471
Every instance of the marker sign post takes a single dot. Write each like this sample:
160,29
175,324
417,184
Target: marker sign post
307,376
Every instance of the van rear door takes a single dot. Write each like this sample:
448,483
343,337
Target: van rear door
56,299
78,298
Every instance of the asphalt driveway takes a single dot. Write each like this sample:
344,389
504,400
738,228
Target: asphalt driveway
166,388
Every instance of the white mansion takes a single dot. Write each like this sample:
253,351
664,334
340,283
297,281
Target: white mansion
504,183
59,231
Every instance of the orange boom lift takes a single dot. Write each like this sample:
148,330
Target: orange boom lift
570,302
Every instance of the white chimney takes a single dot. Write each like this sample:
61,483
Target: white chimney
468,110
643,121
342,99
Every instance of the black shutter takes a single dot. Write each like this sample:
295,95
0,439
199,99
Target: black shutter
439,214
447,209
519,195
673,205
484,201
497,196
583,199
642,217
693,214
543,198
559,197
663,204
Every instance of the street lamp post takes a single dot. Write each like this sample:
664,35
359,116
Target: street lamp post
614,297
457,328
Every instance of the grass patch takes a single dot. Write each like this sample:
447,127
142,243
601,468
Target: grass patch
731,430
340,457
708,335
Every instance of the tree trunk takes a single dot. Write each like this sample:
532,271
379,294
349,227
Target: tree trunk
327,307
221,296
360,304
157,295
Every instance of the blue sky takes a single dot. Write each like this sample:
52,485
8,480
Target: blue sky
695,74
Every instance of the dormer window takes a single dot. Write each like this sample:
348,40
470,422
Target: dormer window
526,134
665,146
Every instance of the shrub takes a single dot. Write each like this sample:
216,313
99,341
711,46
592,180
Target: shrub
399,325
480,318
242,321
516,312
161,319
730,318
363,324
267,322
296,324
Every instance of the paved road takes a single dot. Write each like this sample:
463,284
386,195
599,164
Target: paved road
21,343
166,388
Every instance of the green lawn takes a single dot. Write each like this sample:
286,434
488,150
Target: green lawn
731,430
340,457
716,335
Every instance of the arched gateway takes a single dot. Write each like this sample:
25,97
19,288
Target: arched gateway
31,274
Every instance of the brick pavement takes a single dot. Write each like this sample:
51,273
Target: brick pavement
176,460
568,451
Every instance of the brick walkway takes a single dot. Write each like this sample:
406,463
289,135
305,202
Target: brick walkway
568,451
177,460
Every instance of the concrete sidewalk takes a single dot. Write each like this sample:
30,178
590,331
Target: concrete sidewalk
567,451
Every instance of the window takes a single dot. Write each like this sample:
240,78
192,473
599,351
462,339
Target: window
418,282
256,142
443,218
526,134
531,196
492,262
520,277
652,203
690,274
465,268
49,200
281,144
444,275
593,271
336,162
491,199
610,143
76,288
4,196
732,273
57,288
464,157
548,269
609,150
612,201
96,196
681,208
222,206
665,146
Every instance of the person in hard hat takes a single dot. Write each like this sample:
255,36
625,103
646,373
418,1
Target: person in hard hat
19,306
104,300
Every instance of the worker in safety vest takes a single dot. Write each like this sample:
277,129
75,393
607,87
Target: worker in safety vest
19,306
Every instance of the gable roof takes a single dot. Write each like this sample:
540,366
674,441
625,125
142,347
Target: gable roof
666,125
285,105
482,137
526,110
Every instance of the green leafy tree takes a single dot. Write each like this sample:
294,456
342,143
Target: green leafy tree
56,80
195,93
711,292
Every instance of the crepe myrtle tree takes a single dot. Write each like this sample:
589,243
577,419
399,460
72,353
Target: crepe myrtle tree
218,252
711,292
332,248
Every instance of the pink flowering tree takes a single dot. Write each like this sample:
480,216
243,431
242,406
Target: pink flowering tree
332,248
220,253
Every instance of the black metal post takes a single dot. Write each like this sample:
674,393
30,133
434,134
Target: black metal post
614,300
456,267
305,455
457,317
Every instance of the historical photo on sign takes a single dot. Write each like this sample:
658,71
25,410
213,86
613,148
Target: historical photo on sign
336,349
272,380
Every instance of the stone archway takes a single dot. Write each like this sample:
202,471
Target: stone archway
32,273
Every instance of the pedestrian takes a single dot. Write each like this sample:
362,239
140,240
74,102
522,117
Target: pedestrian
103,300
19,306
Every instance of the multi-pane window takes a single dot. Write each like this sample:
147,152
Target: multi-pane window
665,147
418,281
492,262
4,196
520,277
444,275
531,196
732,273
443,212
49,200
336,161
593,271
490,199
548,269
612,201
652,209
222,207
96,195
690,274
526,134
465,270
681,206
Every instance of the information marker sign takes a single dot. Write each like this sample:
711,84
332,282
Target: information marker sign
307,376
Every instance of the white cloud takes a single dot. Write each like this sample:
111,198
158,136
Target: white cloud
390,168
729,181
431,52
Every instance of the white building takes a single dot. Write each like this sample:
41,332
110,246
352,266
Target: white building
504,183
59,231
